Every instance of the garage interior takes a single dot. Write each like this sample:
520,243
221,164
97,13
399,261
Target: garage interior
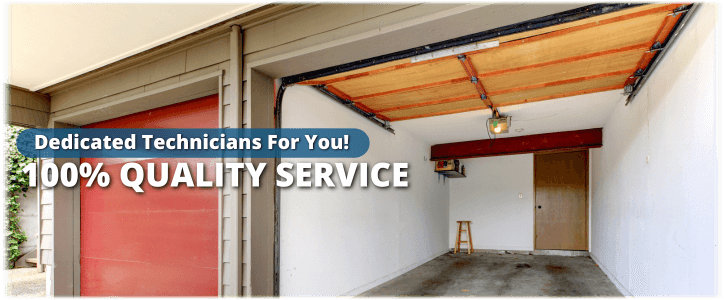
586,132
528,187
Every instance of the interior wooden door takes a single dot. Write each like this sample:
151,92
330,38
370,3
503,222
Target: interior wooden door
561,204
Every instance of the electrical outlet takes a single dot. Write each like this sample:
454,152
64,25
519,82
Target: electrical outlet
520,195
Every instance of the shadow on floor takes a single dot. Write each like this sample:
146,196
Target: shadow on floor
490,274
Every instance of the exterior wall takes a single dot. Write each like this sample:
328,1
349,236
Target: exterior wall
199,59
29,219
343,241
258,203
26,108
45,212
59,226
323,23
231,267
654,191
489,198
328,35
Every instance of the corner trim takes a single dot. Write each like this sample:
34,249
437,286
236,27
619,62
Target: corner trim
612,277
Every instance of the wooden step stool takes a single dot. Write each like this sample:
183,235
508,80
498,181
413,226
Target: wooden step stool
458,237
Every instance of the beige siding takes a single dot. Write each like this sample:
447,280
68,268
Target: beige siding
314,21
27,117
152,74
26,108
144,88
326,23
45,214
228,196
231,270
207,54
28,99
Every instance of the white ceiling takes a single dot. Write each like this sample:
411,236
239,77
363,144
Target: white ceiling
563,114
50,43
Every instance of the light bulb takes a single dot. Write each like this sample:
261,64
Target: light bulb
497,129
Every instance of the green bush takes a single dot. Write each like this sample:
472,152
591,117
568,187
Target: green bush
17,184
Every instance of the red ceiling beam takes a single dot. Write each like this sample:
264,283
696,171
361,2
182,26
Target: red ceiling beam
558,141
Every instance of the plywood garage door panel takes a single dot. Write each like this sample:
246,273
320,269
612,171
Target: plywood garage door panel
582,68
561,205
384,103
594,54
418,74
161,242
559,45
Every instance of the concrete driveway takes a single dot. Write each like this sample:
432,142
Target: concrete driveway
25,282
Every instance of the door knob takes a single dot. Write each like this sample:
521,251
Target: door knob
539,206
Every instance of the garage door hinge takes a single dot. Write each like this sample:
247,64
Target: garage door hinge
638,73
656,47
679,10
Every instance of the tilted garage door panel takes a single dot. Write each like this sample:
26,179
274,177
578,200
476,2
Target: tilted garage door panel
421,73
597,53
587,67
438,109
434,94
558,91
540,49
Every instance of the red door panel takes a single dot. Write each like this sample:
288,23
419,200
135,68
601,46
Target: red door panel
163,241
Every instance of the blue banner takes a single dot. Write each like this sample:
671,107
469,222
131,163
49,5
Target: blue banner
171,143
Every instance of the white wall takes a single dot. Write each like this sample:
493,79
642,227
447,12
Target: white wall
29,219
653,223
489,198
338,241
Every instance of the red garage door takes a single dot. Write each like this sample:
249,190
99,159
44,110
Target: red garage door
161,242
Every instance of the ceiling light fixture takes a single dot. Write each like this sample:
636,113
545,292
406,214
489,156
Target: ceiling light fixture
500,125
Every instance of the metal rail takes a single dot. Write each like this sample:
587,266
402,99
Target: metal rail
643,77
350,104
534,24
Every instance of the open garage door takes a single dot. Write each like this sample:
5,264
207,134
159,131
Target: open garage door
161,242
593,49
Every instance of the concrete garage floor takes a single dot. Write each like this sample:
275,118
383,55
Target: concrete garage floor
491,274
